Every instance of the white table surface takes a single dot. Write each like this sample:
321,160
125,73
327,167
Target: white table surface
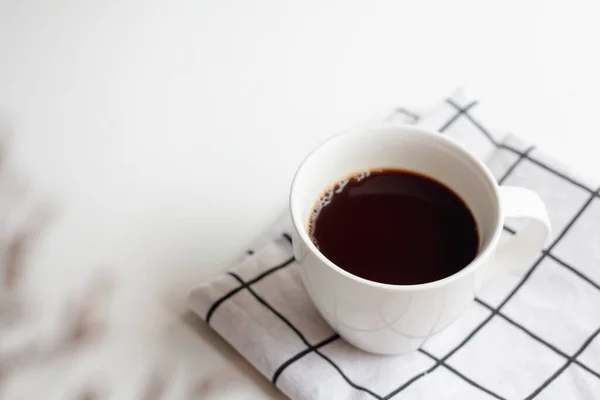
164,135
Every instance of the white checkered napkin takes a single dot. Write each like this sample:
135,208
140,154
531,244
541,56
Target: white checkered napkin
531,333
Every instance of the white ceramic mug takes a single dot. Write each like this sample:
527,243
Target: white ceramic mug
392,319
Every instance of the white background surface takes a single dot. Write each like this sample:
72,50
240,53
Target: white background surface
168,132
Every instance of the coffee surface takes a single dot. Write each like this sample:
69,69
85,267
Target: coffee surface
394,226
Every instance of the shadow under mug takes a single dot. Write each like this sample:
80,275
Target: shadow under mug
392,319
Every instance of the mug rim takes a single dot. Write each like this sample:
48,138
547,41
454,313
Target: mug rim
300,226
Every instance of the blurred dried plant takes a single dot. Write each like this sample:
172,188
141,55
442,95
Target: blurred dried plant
205,386
82,324
156,385
18,245
83,321
88,395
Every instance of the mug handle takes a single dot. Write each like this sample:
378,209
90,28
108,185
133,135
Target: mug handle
520,250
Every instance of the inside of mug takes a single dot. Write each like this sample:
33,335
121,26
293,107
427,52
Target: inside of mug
398,147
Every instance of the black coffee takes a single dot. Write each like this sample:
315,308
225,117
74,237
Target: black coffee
394,226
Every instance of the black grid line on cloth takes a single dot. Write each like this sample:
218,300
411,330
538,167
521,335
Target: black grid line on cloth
301,354
527,331
438,361
260,276
302,337
549,169
562,263
539,339
514,166
401,110
460,375
571,360
509,230
573,270
536,337
246,285
489,136
550,248
455,117
410,382
465,111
